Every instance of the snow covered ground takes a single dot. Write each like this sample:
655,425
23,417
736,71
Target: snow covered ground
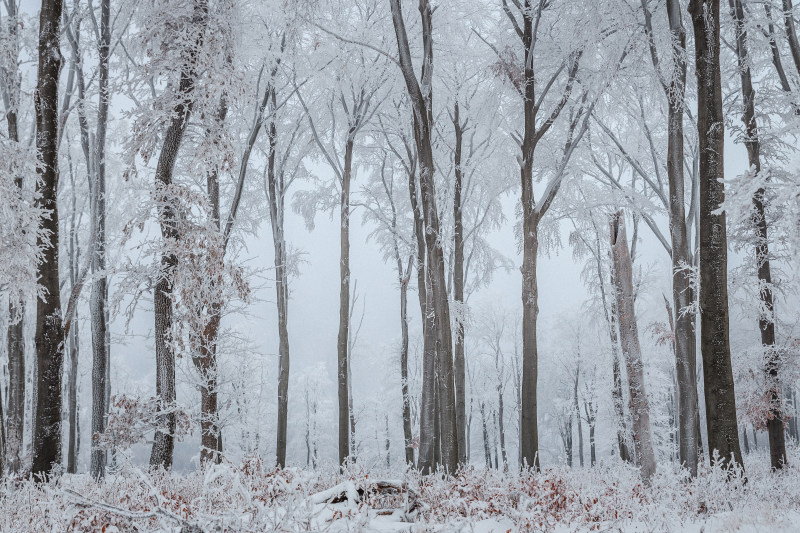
254,497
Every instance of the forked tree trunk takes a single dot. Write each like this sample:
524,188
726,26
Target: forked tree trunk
420,96
643,454
532,213
723,434
49,328
775,420
163,440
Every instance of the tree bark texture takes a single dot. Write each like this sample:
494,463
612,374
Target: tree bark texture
723,434
98,303
163,441
49,328
344,304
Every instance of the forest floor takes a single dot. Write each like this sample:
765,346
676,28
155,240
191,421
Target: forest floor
254,497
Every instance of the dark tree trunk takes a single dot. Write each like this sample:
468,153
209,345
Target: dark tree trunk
163,441
16,387
99,297
49,328
530,357
423,134
73,340
723,434
206,360
532,213
277,194
425,461
344,306
674,85
777,442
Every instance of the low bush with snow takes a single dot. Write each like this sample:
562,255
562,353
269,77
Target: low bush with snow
255,497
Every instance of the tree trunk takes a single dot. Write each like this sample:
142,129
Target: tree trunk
423,134
344,306
73,340
568,440
644,457
163,440
791,33
15,427
777,442
458,289
277,194
685,364
723,434
99,295
49,328
501,429
16,387
610,310
206,361
591,419
425,461
793,431
487,452
407,435
619,410
578,417
530,357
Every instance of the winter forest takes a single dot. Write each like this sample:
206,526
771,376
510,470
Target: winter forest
373,265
